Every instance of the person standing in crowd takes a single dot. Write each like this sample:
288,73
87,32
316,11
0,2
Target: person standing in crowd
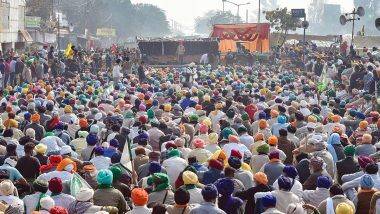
181,50
141,72
116,72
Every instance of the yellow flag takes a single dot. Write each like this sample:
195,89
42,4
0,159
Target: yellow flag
69,52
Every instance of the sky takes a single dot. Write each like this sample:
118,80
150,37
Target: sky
185,11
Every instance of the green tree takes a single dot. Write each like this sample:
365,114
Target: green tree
152,20
203,25
42,8
282,21
128,19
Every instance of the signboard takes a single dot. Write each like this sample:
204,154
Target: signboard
106,32
32,21
298,13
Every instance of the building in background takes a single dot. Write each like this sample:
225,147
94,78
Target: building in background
12,25
330,15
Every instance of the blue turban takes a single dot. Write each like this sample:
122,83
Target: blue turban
281,119
154,167
269,201
352,113
209,192
225,186
143,135
104,177
27,116
92,139
99,150
114,142
234,162
334,139
367,182
60,126
360,115
290,171
324,182
262,115
226,132
284,183
116,157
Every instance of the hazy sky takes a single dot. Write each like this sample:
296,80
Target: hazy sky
185,11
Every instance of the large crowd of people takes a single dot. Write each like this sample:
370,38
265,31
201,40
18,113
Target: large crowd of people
102,132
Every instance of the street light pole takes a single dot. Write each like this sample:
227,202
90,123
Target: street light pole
238,7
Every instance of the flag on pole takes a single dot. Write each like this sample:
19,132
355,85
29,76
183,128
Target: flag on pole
323,81
69,53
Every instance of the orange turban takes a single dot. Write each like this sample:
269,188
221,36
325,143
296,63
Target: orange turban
272,140
64,163
363,124
263,124
8,109
336,118
35,118
140,96
139,197
220,155
29,97
83,123
233,139
261,178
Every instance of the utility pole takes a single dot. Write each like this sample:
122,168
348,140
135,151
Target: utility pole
58,29
352,17
246,16
258,15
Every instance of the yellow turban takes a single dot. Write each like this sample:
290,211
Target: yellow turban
24,90
213,138
68,109
167,107
189,177
207,122
11,123
40,148
344,208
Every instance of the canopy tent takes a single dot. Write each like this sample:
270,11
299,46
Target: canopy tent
254,37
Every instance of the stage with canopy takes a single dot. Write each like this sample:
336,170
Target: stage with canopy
253,36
